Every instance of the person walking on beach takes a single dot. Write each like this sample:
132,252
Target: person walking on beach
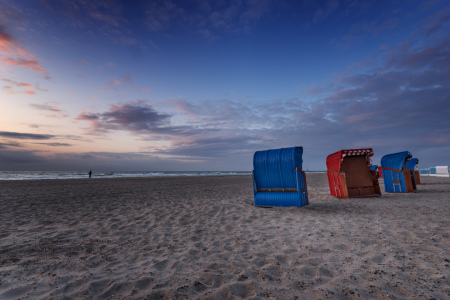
90,174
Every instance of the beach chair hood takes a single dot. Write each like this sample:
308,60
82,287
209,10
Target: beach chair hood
334,160
274,168
395,160
411,164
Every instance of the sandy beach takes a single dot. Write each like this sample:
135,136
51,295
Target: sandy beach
202,238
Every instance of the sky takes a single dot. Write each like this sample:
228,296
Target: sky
199,85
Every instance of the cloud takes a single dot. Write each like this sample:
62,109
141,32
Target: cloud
116,82
213,147
382,104
26,136
144,90
28,160
8,45
23,87
56,144
26,63
136,116
12,54
127,77
82,62
18,159
378,104
10,144
46,107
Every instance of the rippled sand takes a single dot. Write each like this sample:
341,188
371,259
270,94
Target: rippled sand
202,238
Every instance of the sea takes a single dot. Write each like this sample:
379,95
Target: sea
42,175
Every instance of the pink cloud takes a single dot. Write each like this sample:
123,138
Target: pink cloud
117,82
12,54
26,63
25,88
145,90
360,118
90,117
25,85
127,77
7,44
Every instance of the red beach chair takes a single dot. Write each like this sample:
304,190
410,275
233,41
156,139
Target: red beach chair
380,172
349,173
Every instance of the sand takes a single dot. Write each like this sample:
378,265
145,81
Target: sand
202,238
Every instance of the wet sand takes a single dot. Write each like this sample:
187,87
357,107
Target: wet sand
202,238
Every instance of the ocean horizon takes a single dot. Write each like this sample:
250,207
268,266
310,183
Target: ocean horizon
42,175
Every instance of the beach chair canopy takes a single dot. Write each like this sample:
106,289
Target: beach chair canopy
411,164
395,160
349,173
374,168
276,168
334,160
278,179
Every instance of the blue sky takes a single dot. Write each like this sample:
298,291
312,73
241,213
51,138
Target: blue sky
202,85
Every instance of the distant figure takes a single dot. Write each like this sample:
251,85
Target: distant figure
90,174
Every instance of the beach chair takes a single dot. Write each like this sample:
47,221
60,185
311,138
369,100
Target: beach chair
397,178
278,179
380,172
349,174
441,171
411,165
374,170
424,172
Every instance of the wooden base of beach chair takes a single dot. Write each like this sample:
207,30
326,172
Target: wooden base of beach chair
408,177
417,177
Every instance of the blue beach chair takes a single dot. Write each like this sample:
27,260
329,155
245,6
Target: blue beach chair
424,171
278,179
397,177
411,165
